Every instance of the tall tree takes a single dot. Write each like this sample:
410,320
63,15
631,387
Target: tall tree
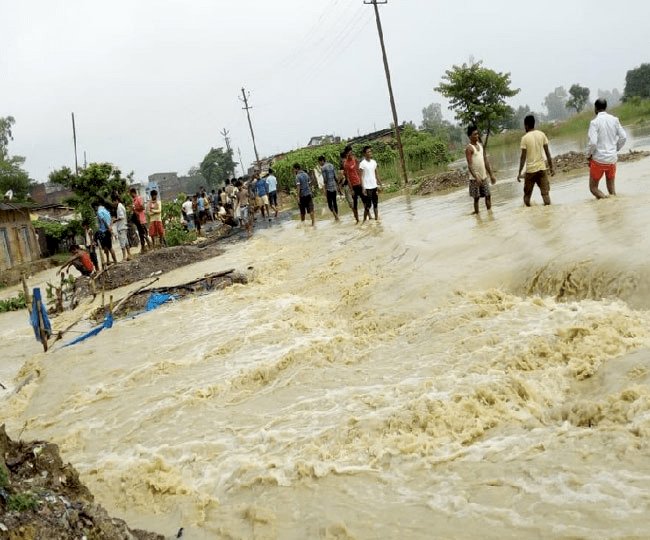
95,183
478,95
579,97
12,175
516,121
556,104
217,166
637,82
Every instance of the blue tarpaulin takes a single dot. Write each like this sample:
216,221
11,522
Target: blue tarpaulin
157,300
38,308
108,323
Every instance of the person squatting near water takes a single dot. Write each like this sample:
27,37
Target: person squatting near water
606,138
479,169
80,260
533,143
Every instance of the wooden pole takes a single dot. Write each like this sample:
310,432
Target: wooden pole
28,300
74,138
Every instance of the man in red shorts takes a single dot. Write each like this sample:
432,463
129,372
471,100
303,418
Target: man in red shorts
606,138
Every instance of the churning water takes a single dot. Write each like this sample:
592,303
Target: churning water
434,375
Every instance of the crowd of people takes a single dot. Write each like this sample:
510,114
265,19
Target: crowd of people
240,201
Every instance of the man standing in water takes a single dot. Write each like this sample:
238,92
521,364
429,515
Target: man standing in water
532,145
272,183
331,185
351,172
370,182
479,168
606,138
305,200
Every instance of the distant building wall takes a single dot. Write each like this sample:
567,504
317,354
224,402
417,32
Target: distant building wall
18,243
50,193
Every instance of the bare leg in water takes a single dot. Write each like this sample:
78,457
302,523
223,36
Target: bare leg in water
593,187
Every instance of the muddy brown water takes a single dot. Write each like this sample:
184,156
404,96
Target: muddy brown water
435,375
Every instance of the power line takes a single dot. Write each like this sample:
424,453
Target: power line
398,137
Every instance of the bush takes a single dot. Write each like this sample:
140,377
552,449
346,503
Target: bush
13,304
21,502
176,235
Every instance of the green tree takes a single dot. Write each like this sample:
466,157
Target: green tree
612,97
95,183
478,95
556,104
516,121
217,166
637,82
12,175
436,125
579,97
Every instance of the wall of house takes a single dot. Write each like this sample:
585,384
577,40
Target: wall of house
18,243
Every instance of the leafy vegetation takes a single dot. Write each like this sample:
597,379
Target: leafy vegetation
56,232
175,233
478,95
12,175
217,166
13,304
94,183
579,97
637,82
21,502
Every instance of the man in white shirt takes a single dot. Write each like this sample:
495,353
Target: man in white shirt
370,183
606,138
187,209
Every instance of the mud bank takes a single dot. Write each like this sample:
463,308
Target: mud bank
43,498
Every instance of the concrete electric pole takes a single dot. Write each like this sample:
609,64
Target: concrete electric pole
247,108
398,137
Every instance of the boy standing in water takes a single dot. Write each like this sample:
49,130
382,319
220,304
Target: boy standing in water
331,185
532,145
606,138
479,168
351,172
305,200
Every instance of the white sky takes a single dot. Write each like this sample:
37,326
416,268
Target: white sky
152,82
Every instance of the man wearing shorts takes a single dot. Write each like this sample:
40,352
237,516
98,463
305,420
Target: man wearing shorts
80,260
479,169
156,229
245,219
262,197
104,234
305,199
532,145
606,138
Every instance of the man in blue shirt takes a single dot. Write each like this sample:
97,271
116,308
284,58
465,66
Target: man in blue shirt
272,182
104,234
262,197
331,185
305,200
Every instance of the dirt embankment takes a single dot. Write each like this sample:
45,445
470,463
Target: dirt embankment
41,498
563,163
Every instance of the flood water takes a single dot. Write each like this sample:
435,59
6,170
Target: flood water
435,375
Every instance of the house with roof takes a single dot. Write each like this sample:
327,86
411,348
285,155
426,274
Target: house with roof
18,242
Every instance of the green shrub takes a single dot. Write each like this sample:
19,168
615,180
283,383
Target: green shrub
176,235
13,304
21,502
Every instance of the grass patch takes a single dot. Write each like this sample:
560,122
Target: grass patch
13,304
21,502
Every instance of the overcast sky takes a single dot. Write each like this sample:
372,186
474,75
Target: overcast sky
152,82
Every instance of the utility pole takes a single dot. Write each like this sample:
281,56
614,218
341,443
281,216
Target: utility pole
398,137
224,133
74,138
241,163
250,125
85,160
